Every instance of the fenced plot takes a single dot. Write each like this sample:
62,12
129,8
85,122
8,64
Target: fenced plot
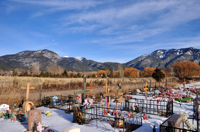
100,114
59,100
154,107
166,127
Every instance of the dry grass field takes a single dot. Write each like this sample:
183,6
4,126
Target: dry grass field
11,92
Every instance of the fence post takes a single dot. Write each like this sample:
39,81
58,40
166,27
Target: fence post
154,128
123,124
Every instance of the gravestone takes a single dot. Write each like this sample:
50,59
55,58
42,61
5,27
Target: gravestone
4,107
34,116
175,121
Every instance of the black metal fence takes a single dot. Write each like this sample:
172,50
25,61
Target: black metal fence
60,101
154,107
164,127
100,114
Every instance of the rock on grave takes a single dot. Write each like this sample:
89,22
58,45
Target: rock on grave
34,116
71,129
4,107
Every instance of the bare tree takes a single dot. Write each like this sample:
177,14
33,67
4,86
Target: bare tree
121,71
36,68
54,68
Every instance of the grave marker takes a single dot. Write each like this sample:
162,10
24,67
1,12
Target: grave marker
27,89
106,86
84,91
108,95
27,105
145,89
91,87
4,107
34,116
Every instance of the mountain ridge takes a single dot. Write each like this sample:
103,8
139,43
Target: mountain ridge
161,58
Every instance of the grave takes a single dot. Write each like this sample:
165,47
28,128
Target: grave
3,108
34,116
27,105
84,91
107,95
91,87
146,89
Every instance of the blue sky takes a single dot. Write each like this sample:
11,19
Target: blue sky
101,30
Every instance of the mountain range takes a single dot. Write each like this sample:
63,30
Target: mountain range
158,59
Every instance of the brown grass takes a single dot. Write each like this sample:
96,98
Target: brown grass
12,86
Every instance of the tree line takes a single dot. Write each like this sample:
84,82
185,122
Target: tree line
181,69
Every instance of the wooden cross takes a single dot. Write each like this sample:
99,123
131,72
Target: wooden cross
108,95
27,89
91,87
84,91
184,83
107,86
145,89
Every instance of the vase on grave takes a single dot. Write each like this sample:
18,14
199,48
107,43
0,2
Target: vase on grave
119,122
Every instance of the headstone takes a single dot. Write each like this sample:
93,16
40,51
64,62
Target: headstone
138,91
131,103
175,121
4,107
34,116
134,92
157,91
71,129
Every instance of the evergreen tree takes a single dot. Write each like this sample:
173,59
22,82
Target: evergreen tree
14,73
71,75
42,74
104,75
26,73
110,73
93,75
64,74
78,75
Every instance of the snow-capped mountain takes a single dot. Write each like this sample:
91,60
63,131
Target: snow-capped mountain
164,58
157,59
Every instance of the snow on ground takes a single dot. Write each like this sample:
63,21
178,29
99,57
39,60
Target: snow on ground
60,120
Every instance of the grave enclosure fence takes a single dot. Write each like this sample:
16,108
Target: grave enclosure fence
194,120
164,127
61,100
154,107
96,112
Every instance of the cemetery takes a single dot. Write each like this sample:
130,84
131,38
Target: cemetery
161,109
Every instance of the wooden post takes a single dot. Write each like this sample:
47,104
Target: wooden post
106,86
40,92
27,89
